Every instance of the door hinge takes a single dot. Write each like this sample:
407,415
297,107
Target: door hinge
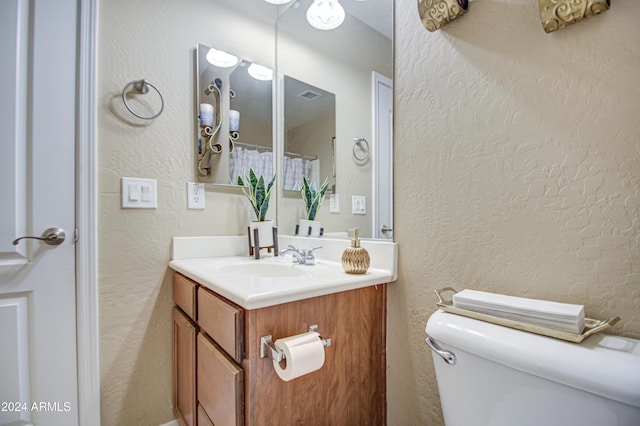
76,235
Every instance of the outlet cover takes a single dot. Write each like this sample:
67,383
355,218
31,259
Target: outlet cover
358,204
195,196
139,193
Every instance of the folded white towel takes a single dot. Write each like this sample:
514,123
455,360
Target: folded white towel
555,315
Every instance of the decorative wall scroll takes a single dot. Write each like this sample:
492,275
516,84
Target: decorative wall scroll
557,14
436,13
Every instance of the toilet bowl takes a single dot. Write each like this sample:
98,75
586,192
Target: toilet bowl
489,375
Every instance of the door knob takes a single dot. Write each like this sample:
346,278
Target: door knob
385,229
52,236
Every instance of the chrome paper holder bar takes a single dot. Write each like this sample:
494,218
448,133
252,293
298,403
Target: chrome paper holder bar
267,349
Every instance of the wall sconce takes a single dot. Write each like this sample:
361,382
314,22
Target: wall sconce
436,13
325,14
557,14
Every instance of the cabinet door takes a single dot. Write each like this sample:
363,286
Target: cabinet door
220,384
184,369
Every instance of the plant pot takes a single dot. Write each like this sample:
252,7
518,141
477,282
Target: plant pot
316,228
265,232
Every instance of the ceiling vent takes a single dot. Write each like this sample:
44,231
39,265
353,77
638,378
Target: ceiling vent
309,95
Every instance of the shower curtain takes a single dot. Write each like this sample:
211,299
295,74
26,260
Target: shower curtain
294,169
243,159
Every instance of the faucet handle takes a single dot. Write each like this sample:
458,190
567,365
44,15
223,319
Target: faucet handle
308,255
311,250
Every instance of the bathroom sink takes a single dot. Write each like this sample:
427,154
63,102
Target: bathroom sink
263,270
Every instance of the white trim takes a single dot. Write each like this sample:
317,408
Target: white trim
172,423
378,80
86,218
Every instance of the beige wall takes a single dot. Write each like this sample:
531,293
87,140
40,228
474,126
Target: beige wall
153,40
517,170
352,88
516,158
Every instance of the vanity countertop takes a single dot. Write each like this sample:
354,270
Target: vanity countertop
215,263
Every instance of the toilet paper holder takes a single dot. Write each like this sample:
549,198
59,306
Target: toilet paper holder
267,350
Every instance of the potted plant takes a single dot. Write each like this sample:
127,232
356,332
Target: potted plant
313,199
259,194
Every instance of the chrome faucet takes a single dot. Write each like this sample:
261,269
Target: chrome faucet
301,256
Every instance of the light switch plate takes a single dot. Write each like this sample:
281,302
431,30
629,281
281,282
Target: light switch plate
358,204
195,196
139,193
334,203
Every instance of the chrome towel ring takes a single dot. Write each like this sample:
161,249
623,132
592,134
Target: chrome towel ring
142,87
364,147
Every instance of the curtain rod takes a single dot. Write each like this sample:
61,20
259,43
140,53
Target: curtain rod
268,148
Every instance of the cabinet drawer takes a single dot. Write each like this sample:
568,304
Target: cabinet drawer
184,294
223,322
220,385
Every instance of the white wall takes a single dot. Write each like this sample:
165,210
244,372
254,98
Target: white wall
517,170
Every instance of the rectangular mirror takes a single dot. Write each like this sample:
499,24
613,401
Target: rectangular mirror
309,135
234,116
353,64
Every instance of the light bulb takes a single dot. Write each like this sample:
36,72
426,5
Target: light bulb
221,58
260,72
325,14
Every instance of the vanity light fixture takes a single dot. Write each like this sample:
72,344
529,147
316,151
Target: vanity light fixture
260,72
325,14
220,58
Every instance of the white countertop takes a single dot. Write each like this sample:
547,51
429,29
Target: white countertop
218,264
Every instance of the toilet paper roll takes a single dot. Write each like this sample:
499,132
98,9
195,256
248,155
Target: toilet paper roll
304,353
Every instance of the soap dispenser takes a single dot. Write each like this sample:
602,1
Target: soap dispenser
355,259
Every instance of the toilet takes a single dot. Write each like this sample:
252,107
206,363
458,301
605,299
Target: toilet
489,375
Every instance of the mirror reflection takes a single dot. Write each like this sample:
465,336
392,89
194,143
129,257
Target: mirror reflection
309,135
348,61
234,116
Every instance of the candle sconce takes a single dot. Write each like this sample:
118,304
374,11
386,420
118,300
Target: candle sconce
436,13
557,14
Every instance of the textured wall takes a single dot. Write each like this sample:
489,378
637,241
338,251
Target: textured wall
517,170
153,40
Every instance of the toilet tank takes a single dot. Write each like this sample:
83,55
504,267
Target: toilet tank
507,377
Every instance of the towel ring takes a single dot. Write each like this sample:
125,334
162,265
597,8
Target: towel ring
142,87
358,142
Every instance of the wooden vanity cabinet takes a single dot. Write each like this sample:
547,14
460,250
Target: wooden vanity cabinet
234,386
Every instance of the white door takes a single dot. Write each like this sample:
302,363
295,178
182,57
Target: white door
382,157
38,372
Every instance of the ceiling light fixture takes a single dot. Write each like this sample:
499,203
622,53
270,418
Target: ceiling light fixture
220,58
325,14
260,72
277,1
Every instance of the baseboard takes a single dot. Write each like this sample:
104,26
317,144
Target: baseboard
172,423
